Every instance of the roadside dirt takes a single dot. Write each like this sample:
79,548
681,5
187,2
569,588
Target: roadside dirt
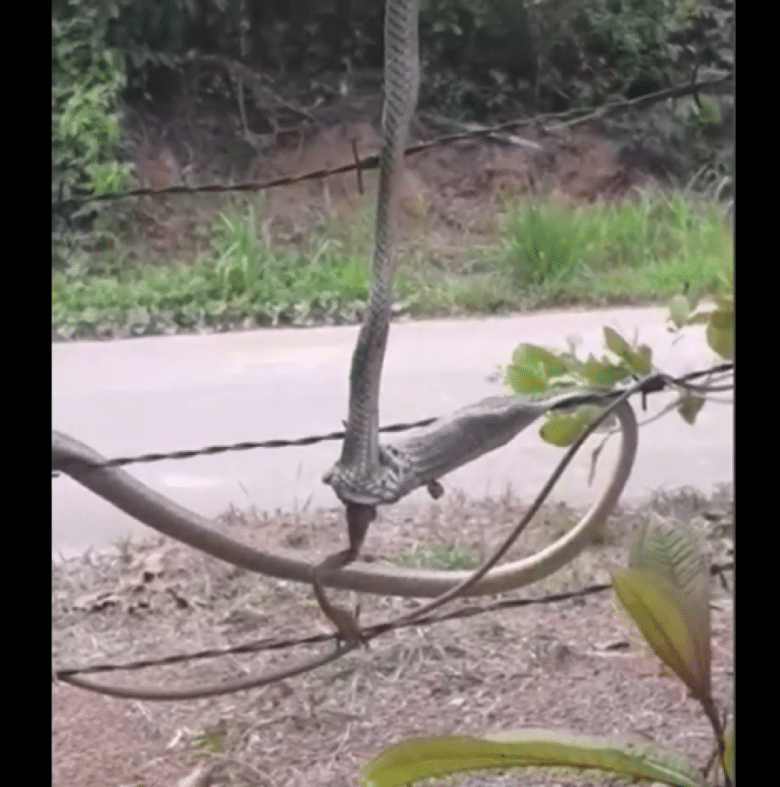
574,665
456,188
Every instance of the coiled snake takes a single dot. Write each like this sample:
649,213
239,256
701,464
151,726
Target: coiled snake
368,474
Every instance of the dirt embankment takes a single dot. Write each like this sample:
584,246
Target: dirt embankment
457,186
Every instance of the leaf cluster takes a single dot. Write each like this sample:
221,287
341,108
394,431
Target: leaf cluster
535,370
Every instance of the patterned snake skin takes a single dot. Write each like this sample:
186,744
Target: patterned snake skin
366,472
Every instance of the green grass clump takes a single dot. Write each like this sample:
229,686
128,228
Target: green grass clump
545,253
639,250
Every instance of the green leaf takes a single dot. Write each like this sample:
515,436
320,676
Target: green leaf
562,429
653,605
679,310
533,355
666,592
416,759
603,373
728,755
688,406
678,553
525,380
699,318
640,360
616,343
723,319
724,303
720,334
707,111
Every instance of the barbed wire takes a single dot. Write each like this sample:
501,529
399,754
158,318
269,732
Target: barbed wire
652,383
568,118
222,449
272,644
655,385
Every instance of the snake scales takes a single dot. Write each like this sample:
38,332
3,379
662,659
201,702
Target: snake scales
366,472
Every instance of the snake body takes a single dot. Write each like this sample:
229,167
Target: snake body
367,473
143,503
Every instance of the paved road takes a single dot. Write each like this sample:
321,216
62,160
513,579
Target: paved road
159,394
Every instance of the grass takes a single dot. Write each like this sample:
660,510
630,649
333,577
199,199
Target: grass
646,249
444,556
543,254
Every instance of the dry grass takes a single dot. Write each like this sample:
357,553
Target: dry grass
570,665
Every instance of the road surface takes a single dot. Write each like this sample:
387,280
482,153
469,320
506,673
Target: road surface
164,393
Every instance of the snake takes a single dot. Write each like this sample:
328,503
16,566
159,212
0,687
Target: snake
368,473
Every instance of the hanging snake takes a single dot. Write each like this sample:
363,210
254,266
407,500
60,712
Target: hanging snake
368,474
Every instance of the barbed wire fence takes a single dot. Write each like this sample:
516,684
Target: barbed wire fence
683,381
654,384
286,643
559,121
